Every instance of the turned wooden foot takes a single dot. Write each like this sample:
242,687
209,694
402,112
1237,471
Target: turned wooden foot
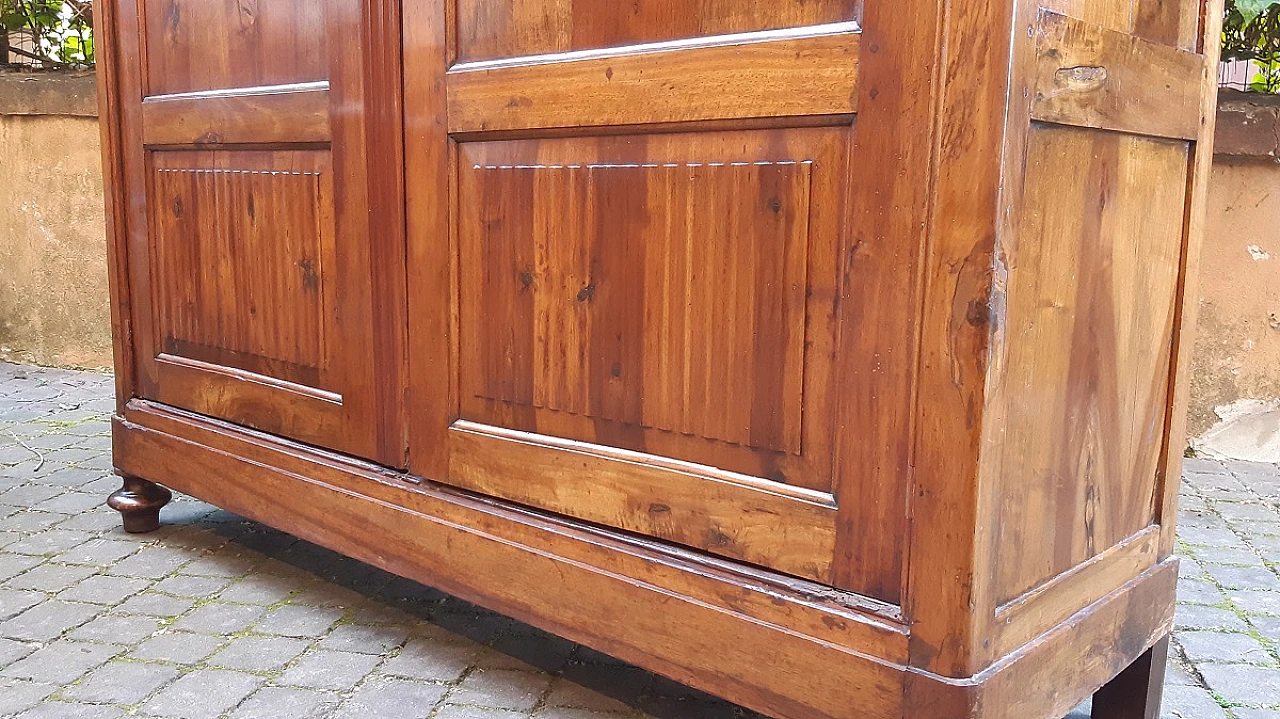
1137,691
139,503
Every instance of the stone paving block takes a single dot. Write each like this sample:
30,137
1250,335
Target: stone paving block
29,495
1227,555
432,660
49,577
11,565
120,630
50,542
1247,511
71,503
1256,713
32,521
1193,616
259,589
72,455
501,689
184,585
220,619
152,562
259,653
120,682
70,710
1211,537
364,639
624,682
1222,647
1268,627
1256,601
1198,591
61,662
177,647
154,604
1243,577
392,697
325,669
17,695
203,694
278,702
292,620
1242,683
95,520
105,589
97,552
459,711
12,650
15,601
47,620
221,565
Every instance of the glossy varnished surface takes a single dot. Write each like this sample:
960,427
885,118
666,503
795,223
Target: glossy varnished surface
700,331
489,30
250,137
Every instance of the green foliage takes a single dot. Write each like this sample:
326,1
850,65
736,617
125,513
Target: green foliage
1251,31
60,31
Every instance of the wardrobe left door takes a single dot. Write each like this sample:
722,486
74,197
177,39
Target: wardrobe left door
261,203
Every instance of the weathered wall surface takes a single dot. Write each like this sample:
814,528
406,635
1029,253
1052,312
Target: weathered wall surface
1235,379
53,275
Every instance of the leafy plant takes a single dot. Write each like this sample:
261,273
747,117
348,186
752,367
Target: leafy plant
59,32
1251,31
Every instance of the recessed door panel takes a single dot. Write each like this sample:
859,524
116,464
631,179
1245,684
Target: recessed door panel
488,29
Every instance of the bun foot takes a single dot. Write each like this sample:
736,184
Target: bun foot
139,503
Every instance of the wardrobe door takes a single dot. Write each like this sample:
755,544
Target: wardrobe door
265,223
627,222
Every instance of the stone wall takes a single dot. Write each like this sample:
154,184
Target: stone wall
53,269
1235,374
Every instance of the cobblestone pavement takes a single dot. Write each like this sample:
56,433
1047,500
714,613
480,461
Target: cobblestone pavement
217,616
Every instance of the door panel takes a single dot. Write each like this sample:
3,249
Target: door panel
255,263
488,29
629,240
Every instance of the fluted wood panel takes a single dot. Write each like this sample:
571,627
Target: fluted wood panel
242,240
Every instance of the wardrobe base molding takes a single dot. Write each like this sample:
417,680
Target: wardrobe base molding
776,644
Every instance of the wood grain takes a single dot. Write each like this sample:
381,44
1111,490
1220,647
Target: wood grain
606,260
734,77
487,30
1089,76
1089,316
606,592
691,505
294,114
198,45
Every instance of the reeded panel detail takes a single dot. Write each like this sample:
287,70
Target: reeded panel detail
240,242
667,294
218,44
664,296
488,30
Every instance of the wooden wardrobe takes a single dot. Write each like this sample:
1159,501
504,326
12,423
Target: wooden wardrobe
826,355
